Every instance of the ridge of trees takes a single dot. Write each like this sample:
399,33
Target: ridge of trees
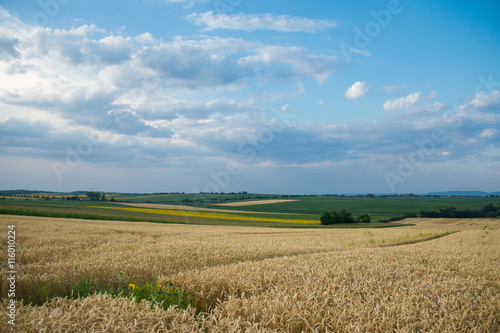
96,196
341,217
488,211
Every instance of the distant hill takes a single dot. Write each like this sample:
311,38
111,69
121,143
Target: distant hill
445,193
465,193
21,192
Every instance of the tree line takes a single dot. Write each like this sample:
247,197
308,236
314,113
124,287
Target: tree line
490,210
96,196
342,216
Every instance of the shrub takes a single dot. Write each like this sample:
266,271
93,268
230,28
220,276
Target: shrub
345,216
342,216
326,218
364,218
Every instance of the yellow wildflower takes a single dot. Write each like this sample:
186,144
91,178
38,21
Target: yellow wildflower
131,286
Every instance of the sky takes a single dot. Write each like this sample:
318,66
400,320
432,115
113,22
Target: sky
288,97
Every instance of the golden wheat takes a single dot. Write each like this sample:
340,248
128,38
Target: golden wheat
261,280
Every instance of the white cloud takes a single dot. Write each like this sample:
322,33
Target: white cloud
357,90
300,62
436,107
187,3
310,165
483,100
431,109
393,89
488,133
407,102
266,164
254,22
148,89
145,38
402,103
85,69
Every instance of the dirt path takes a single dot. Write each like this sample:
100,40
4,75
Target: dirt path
252,203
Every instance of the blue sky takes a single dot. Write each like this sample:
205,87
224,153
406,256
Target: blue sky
241,95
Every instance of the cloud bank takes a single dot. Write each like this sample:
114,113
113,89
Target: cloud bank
254,22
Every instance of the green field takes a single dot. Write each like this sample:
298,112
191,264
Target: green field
101,211
318,204
373,206
304,208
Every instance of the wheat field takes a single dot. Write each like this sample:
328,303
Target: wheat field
439,277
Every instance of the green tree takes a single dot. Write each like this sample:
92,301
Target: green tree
490,208
326,218
364,218
336,219
345,216
94,196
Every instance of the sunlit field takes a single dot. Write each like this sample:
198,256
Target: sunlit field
438,275
189,214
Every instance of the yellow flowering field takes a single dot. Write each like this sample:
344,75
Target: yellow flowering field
202,214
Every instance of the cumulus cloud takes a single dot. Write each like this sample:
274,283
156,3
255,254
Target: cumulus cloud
402,103
85,71
407,102
485,101
436,107
357,90
254,22
431,109
299,63
154,96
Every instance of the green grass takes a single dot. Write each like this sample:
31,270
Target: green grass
163,295
373,206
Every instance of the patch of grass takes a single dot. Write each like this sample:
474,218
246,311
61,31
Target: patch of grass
424,260
163,295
